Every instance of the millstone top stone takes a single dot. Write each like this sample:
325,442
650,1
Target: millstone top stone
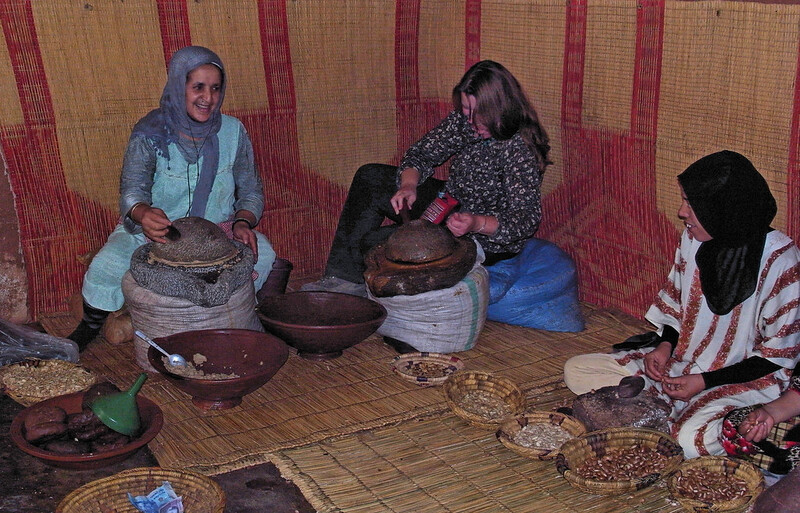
201,244
419,241
203,265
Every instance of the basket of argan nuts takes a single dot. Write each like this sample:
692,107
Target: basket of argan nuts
715,483
31,381
618,460
539,434
483,399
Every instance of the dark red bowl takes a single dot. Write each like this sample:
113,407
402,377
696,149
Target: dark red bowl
252,355
320,325
149,412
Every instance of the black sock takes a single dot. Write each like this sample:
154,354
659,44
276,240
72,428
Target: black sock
89,327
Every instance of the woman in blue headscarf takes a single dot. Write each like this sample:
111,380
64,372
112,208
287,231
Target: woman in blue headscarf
185,158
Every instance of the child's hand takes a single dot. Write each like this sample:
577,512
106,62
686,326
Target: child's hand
756,426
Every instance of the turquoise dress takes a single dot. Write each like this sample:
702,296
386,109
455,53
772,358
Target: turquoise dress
173,184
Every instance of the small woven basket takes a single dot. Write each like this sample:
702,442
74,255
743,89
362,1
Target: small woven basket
749,473
31,381
200,494
596,444
511,428
426,369
458,386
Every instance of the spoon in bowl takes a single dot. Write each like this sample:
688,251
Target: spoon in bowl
175,360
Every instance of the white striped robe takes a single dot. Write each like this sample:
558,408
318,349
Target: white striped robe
767,324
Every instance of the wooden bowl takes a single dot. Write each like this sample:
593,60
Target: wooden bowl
320,325
462,385
200,494
252,356
511,429
724,466
597,444
149,412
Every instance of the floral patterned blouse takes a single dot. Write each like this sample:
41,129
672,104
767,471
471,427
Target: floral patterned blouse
487,176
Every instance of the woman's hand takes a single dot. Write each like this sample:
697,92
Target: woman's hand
406,194
683,388
154,222
655,362
244,234
461,223
756,426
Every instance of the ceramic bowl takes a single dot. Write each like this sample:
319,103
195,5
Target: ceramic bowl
320,325
149,412
251,358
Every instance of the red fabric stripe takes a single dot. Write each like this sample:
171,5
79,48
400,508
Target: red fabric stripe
647,69
302,208
572,79
620,165
19,29
173,17
406,48
415,115
793,168
406,73
277,58
54,222
472,36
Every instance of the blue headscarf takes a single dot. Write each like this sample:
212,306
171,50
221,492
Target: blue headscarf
170,123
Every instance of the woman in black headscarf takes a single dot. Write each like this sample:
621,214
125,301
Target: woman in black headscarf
184,158
728,318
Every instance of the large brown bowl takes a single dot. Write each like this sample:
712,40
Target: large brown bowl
320,325
149,412
253,356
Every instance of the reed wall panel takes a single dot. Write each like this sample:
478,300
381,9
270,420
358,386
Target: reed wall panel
629,92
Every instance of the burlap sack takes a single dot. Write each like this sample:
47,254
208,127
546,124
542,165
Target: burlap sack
439,321
158,316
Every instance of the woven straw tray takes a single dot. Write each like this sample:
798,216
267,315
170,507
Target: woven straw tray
426,369
200,494
510,430
460,387
31,381
724,466
599,444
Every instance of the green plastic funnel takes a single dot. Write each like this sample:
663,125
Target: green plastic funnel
119,411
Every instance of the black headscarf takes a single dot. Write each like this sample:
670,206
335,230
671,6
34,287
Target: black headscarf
733,203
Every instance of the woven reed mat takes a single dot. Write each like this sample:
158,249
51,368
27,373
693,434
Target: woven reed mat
440,464
59,324
309,401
